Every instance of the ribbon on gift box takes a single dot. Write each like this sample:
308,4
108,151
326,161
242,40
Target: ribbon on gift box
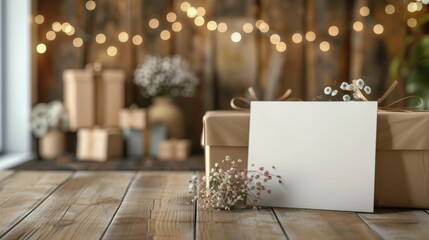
389,107
254,97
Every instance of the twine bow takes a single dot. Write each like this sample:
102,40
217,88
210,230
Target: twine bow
254,97
389,106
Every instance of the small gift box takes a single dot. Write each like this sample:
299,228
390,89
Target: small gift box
99,144
133,122
402,154
135,118
174,149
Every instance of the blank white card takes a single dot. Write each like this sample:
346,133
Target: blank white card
324,152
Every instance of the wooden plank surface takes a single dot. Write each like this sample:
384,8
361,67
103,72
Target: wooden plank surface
316,224
82,208
157,205
23,192
5,174
398,224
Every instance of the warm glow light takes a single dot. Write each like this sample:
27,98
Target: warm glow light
275,38
259,22
201,11
211,25
333,31
39,19
153,23
171,17
77,42
199,21
310,36
412,7
177,27
389,9
236,37
100,38
56,26
281,47
378,29
324,46
69,30
247,27
51,35
297,38
90,5
165,35
358,26
222,27
41,48
419,6
264,27
137,40
184,6
412,22
112,51
191,12
64,26
123,37
364,11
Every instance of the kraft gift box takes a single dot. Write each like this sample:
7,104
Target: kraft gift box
174,149
99,144
402,155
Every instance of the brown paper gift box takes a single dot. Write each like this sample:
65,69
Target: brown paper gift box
135,118
99,144
402,158
174,149
109,97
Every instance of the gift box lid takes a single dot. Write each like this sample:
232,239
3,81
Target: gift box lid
226,128
403,130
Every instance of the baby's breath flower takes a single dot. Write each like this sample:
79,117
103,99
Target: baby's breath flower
327,90
344,85
346,97
334,93
367,89
360,83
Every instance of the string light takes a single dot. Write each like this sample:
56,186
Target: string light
324,46
211,25
247,27
419,6
56,26
171,17
222,27
41,48
389,9
264,27
165,35
236,37
123,37
199,21
77,42
90,5
274,38
412,22
69,30
153,23
51,35
259,22
412,7
177,27
378,29
100,38
333,31
281,47
184,6
310,36
201,11
191,12
297,38
39,19
364,11
358,26
137,40
112,51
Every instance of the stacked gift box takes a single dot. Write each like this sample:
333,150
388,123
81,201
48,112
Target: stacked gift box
402,155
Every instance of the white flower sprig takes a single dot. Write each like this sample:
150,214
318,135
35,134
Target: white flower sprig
350,89
227,186
168,76
47,116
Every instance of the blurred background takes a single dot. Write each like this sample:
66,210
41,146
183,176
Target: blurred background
219,48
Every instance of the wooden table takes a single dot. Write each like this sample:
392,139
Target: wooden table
149,205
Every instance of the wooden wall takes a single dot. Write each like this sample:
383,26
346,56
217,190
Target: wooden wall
225,68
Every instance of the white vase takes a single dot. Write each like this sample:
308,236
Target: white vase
164,111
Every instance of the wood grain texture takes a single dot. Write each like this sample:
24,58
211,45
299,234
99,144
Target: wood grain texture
316,224
23,192
398,224
5,174
82,208
157,206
